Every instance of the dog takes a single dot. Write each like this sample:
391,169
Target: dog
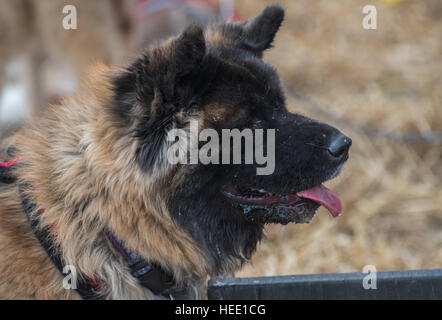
91,196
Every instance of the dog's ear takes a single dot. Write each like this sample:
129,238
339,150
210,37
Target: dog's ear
178,56
170,63
256,34
156,75
154,80
260,31
188,49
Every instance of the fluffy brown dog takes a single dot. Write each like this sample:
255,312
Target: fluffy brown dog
92,188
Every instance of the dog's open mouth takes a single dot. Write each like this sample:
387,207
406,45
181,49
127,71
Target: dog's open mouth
298,207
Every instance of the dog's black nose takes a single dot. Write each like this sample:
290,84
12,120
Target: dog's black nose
339,146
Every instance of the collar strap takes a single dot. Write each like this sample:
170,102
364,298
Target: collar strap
85,287
148,274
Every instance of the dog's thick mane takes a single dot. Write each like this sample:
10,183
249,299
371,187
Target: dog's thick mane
87,179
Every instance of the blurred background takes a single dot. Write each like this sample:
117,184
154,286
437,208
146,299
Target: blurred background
381,87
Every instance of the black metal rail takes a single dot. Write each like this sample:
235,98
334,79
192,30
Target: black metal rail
415,284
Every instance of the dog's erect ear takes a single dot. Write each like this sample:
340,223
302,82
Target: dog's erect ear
190,48
180,56
154,80
256,34
158,72
260,31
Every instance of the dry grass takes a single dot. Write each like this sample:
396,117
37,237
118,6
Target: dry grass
390,79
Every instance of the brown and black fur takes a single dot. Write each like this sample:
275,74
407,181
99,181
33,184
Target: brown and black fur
97,161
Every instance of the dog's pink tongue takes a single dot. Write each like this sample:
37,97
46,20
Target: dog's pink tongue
324,196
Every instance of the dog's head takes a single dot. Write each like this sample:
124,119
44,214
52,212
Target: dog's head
215,79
